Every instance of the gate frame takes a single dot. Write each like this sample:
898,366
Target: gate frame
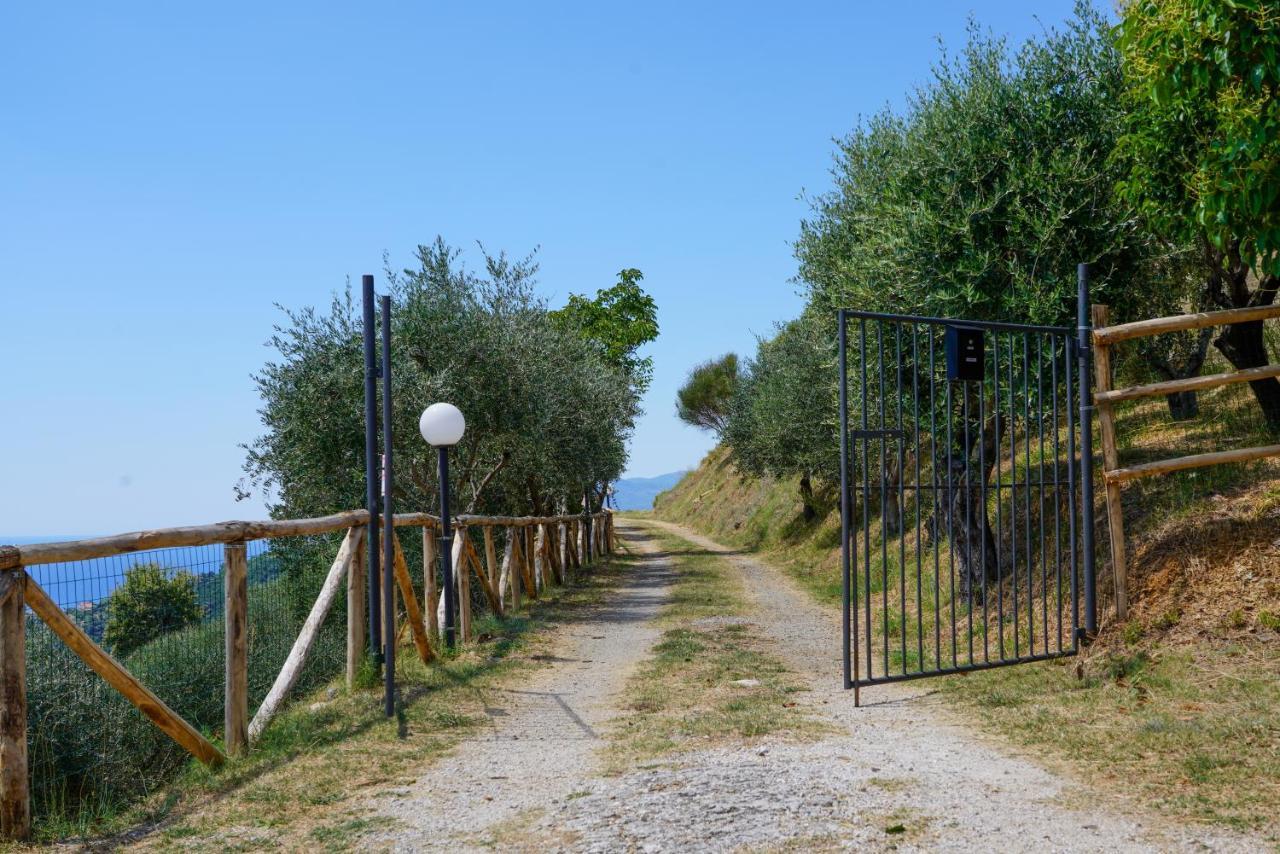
1083,463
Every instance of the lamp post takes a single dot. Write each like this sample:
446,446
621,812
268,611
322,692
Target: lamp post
442,426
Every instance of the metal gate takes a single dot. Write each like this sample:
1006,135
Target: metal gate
967,517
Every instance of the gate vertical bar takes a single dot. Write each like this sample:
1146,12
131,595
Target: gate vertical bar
371,466
1084,349
388,554
845,510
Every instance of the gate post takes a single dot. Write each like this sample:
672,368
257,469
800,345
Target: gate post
1083,350
844,501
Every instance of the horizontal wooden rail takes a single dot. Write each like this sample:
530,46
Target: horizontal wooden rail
1181,322
12,557
1187,384
1194,461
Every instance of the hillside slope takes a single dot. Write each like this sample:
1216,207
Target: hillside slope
1178,708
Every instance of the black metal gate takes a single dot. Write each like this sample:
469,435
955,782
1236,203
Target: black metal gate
967,520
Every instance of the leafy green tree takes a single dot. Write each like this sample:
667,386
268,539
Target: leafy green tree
983,195
620,320
547,412
149,603
1201,150
783,418
704,399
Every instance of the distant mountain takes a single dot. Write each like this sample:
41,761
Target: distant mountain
637,493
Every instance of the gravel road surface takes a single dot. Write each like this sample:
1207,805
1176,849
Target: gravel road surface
897,774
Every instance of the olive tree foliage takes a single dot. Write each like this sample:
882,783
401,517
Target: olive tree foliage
1201,150
547,412
704,399
983,195
783,418
150,603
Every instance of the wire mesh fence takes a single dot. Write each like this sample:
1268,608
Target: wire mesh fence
161,614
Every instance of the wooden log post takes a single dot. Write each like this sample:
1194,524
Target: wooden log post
235,582
462,579
357,613
117,677
1111,462
491,564
417,626
15,791
489,590
293,665
540,555
515,574
429,592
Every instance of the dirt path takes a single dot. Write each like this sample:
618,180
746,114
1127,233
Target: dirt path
540,747
896,774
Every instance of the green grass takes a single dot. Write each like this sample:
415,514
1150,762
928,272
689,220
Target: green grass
683,696
1192,732
327,749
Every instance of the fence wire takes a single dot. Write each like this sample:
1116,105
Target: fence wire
161,614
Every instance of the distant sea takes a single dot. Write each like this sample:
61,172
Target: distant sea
77,585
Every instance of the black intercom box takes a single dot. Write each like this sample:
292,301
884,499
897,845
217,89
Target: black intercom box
965,353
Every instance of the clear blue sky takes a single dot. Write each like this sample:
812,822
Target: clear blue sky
170,171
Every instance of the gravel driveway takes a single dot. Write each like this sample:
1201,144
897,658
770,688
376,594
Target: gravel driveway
898,773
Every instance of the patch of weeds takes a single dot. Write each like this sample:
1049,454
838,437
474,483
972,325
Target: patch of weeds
1133,632
1269,621
684,694
1167,620
1236,620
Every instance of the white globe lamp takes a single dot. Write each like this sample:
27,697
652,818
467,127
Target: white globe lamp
442,425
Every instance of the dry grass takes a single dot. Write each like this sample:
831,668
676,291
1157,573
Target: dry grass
304,785
1178,707
683,696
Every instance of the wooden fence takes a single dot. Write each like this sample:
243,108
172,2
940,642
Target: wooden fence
540,551
1105,398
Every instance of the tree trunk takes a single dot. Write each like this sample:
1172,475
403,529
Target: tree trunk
1244,347
890,506
961,513
1183,405
806,498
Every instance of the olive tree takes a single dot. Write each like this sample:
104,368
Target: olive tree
1201,150
547,412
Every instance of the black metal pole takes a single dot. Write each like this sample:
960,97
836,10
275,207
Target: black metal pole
1084,349
388,531
844,502
446,552
371,467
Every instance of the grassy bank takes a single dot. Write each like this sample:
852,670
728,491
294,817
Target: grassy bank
709,680
1175,708
302,786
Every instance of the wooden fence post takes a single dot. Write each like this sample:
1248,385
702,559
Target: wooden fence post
515,577
357,614
429,591
1111,462
462,580
491,562
15,793
235,715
